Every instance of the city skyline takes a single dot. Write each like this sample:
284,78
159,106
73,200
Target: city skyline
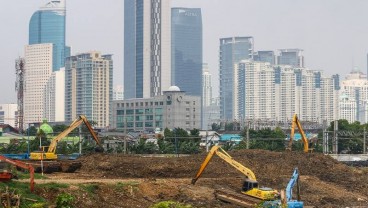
332,33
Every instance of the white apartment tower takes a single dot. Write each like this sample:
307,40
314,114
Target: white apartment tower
54,97
38,69
207,86
285,93
88,87
147,48
354,97
254,88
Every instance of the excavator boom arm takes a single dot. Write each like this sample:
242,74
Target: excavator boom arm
225,156
296,123
291,184
21,165
75,124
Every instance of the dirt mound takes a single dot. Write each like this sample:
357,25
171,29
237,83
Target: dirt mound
324,181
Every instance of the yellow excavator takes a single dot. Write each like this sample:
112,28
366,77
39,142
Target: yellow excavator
250,186
295,123
50,153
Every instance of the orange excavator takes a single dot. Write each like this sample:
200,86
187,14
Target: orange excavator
50,154
296,123
6,176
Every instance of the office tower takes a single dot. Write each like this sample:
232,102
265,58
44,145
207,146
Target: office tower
88,87
232,51
186,50
206,86
47,25
147,48
292,57
254,90
173,109
265,56
38,69
9,114
54,109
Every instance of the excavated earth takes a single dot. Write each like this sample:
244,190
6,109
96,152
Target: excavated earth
137,181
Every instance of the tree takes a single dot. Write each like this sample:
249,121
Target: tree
215,127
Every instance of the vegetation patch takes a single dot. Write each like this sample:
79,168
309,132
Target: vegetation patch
170,204
90,188
64,200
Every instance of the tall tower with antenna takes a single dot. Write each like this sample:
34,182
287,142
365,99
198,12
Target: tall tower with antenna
19,71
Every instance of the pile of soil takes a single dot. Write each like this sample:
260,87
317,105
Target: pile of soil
324,181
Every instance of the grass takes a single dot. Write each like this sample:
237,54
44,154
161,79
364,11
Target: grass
25,175
53,186
90,188
23,190
123,186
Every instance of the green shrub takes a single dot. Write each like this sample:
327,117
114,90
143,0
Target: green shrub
64,200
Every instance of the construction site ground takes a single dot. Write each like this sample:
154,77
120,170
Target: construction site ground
116,180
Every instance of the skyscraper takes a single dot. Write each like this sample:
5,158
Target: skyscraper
47,25
232,51
207,86
292,57
38,71
147,49
186,49
88,87
265,56
54,95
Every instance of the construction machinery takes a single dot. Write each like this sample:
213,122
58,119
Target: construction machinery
6,176
50,153
251,193
296,123
287,201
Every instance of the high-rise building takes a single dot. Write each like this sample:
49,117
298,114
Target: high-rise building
265,56
8,114
275,93
206,96
88,87
292,57
206,86
254,90
54,95
38,69
354,97
147,48
186,50
232,51
47,25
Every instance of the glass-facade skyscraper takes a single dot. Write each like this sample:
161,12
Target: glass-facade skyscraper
186,49
232,51
147,56
292,57
47,25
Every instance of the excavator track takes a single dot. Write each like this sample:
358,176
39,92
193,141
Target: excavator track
236,198
67,166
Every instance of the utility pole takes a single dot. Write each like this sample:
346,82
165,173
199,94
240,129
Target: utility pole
248,125
80,139
364,143
335,139
125,135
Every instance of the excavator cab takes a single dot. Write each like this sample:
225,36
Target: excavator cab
249,185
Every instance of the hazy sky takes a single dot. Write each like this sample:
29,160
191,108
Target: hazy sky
332,33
